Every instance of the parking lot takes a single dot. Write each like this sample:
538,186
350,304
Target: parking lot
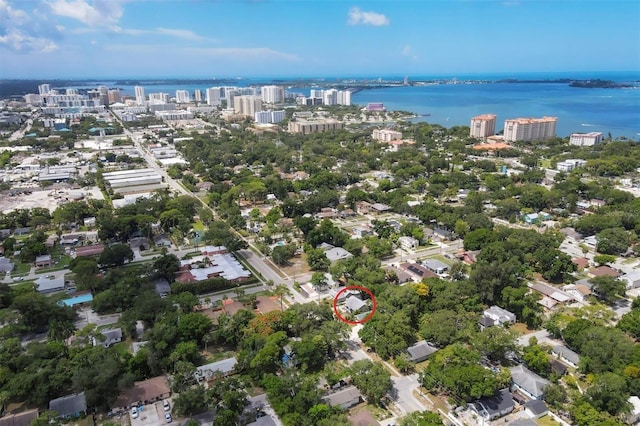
149,415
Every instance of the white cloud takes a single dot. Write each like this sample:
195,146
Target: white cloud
237,53
10,17
184,34
360,17
408,51
18,41
98,13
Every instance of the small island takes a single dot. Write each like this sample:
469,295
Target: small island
598,84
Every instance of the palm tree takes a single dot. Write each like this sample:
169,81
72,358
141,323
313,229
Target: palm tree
281,290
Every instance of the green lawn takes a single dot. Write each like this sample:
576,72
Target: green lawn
198,226
62,263
21,269
547,421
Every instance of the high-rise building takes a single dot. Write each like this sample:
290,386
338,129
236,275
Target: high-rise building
197,95
213,96
114,96
529,129
247,105
585,139
483,126
182,96
44,89
265,117
71,91
140,98
272,94
344,97
103,95
330,97
158,98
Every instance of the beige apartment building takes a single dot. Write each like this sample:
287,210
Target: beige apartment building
529,129
585,139
483,126
386,135
306,127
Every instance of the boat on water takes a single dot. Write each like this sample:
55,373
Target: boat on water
425,115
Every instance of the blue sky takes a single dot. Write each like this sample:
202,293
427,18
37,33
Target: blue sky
226,38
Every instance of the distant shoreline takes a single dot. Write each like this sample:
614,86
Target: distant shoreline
19,87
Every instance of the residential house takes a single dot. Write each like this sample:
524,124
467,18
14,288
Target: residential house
24,418
533,218
354,304
551,296
344,398
443,234
420,351
145,392
566,355
6,265
535,408
88,251
69,406
527,382
162,240
418,271
162,287
363,207
494,407
579,292
401,275
379,208
111,336
602,271
70,239
361,231
337,253
580,262
495,315
632,279
22,231
213,250
89,222
43,261
46,285
221,368
408,243
140,243
436,266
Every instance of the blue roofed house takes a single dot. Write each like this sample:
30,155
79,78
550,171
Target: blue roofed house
68,406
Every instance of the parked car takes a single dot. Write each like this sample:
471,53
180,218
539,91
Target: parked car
167,417
165,405
134,412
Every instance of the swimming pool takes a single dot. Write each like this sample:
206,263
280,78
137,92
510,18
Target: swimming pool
77,300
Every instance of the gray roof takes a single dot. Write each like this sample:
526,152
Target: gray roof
420,351
354,303
337,253
536,406
6,265
112,336
343,396
495,406
69,405
528,380
566,353
263,421
435,264
224,366
45,285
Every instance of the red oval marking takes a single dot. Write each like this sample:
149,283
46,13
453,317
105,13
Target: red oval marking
354,287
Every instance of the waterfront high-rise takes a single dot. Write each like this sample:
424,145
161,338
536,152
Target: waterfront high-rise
140,98
213,96
272,94
483,126
585,139
182,96
247,105
44,89
529,129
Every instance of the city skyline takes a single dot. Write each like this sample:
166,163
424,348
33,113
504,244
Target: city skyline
99,38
